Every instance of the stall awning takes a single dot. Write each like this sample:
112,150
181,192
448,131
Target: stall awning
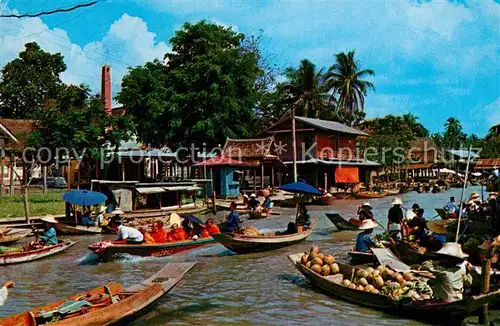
182,188
150,190
223,160
346,174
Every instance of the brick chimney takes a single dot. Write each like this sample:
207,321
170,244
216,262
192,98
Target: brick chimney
106,88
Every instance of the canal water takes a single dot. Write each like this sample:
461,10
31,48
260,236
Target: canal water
223,288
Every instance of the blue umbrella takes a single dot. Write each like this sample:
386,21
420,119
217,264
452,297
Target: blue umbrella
301,187
191,218
84,197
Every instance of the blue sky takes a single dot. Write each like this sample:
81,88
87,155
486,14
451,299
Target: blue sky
435,59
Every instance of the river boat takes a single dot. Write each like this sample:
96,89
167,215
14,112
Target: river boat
66,229
410,255
361,258
24,256
370,195
341,223
14,237
325,200
108,251
110,304
5,231
448,311
341,195
242,244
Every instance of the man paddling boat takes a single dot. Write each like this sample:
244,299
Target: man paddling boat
365,212
395,219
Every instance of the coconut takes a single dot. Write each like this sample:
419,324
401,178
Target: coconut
329,259
399,278
317,261
316,268
363,281
334,268
408,276
325,270
313,255
389,274
375,291
378,282
346,282
370,270
360,288
314,249
352,286
304,259
381,268
362,273
309,264
369,287
376,273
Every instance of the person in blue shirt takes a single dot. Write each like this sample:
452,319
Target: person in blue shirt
451,209
268,205
365,240
49,237
232,220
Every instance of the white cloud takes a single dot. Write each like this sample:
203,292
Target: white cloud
128,42
492,112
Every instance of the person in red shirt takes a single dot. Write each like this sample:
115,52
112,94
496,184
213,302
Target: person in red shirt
210,228
159,234
177,233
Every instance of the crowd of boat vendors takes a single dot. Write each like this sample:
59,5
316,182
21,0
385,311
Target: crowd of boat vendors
407,258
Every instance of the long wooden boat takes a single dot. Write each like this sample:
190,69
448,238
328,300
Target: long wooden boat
17,257
5,230
342,195
452,311
441,213
117,304
360,258
242,244
369,195
66,229
14,237
109,251
341,223
325,200
409,255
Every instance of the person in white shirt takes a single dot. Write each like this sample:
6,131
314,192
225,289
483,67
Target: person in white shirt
4,293
410,214
127,234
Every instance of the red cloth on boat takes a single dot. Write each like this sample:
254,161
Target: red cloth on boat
161,236
179,234
212,229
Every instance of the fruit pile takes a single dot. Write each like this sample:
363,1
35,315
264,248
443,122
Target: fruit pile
382,280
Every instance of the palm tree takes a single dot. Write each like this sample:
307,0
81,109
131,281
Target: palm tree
344,79
305,90
453,134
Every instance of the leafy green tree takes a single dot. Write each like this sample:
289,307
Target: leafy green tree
29,81
204,93
345,81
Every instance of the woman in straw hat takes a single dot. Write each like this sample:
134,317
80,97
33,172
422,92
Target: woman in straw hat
364,240
49,237
365,212
451,273
395,219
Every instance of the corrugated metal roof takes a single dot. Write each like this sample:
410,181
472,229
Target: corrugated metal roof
463,153
248,148
150,190
337,162
487,163
331,126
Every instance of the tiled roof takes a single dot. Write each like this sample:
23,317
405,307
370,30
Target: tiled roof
487,163
248,148
331,126
19,128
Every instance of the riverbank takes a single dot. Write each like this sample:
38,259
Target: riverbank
39,204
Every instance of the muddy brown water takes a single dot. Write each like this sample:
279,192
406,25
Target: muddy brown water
223,288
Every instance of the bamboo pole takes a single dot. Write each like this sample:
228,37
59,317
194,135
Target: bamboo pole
462,196
485,288
1,175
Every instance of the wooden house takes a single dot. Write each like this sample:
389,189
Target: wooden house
327,151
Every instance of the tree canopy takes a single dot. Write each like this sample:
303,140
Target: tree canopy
203,93
29,81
